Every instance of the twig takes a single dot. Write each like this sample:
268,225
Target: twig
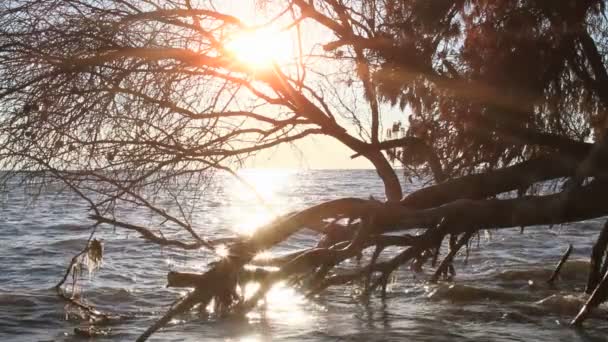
150,236
560,264
88,308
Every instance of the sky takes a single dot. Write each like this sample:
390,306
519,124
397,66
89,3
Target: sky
318,152
313,152
322,152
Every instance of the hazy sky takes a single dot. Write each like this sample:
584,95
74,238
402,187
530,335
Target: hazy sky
314,152
318,152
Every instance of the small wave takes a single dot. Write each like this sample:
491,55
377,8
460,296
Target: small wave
564,304
514,316
214,204
572,270
16,301
68,226
467,293
524,275
575,269
112,295
69,244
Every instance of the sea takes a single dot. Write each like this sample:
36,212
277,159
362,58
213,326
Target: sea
499,293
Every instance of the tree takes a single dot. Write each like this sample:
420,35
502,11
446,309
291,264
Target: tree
123,100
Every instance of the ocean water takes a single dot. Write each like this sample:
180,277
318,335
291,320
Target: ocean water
499,295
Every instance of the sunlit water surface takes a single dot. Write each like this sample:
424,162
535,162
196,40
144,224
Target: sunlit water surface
500,295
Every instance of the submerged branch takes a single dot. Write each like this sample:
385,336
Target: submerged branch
597,297
447,261
561,263
93,251
596,270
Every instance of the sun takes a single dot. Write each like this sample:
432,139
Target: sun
259,48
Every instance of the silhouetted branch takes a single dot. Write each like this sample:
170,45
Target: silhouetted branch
561,263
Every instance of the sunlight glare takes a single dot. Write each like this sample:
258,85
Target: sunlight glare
250,339
263,255
267,184
222,251
284,304
252,221
287,305
259,49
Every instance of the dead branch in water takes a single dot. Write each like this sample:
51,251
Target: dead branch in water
321,263
597,287
447,261
90,257
599,295
561,263
597,264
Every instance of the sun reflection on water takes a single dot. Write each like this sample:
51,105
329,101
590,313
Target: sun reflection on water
249,222
222,251
265,181
286,304
253,209
264,255
250,339
283,305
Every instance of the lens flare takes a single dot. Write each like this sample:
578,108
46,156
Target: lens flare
259,49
